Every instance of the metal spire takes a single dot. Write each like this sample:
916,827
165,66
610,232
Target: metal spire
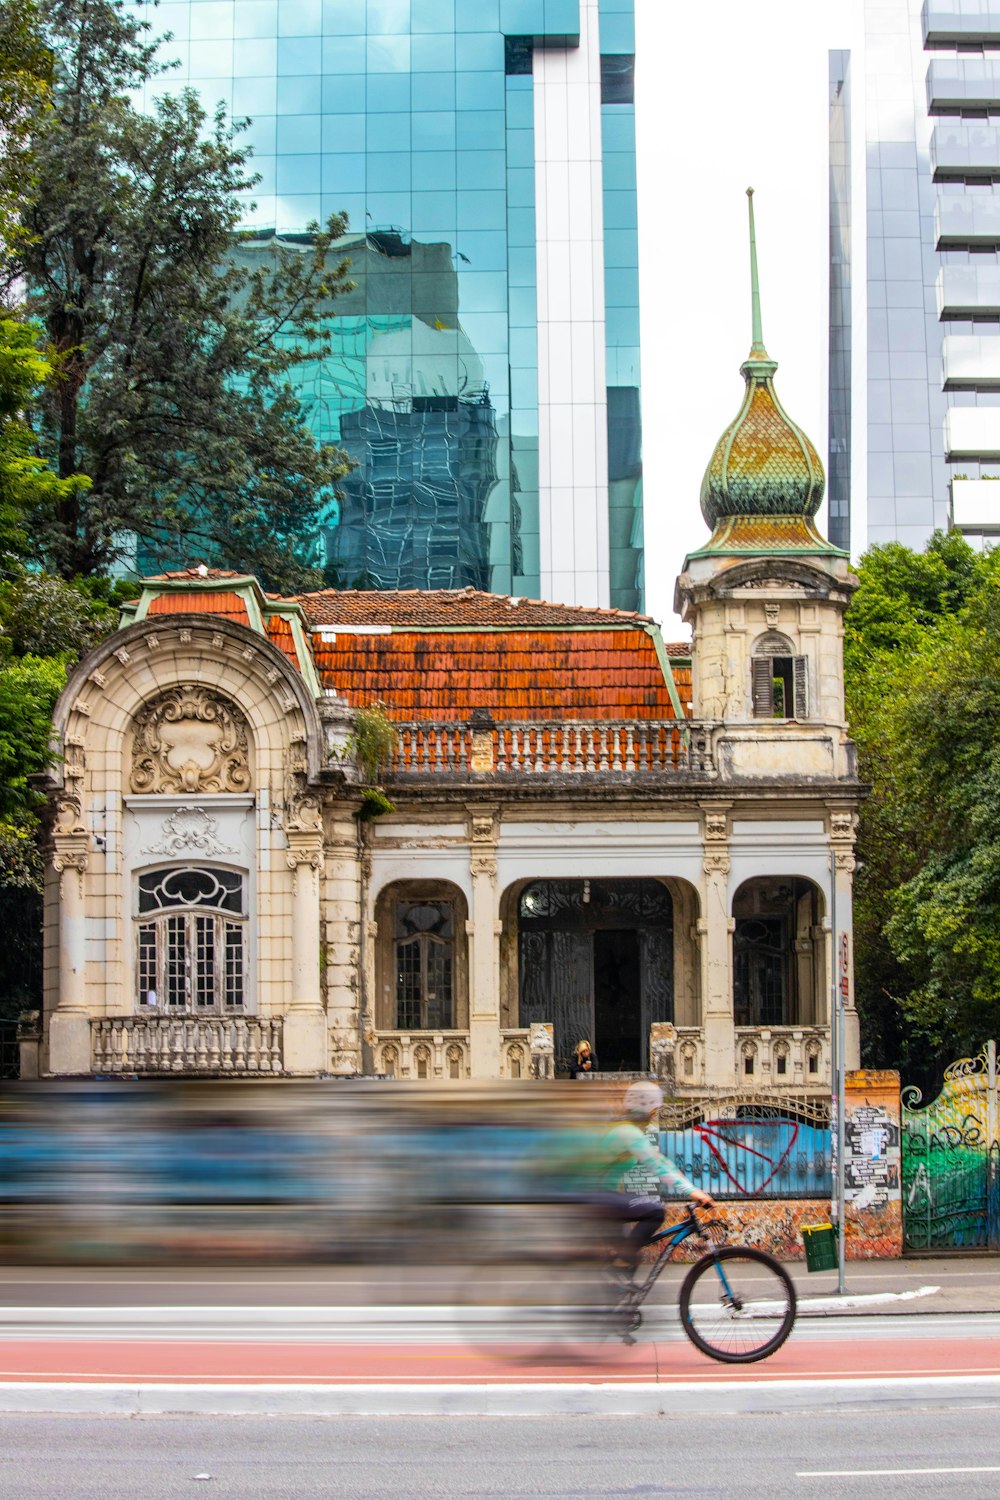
758,336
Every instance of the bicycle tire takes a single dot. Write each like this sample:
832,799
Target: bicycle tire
747,1326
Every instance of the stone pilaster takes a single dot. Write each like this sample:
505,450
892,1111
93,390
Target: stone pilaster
305,1024
342,929
484,929
69,1024
715,928
843,824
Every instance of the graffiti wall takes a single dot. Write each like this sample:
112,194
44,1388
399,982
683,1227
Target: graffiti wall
771,1177
951,1159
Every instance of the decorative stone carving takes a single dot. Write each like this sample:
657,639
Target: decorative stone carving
842,824
772,613
189,740
662,1046
69,814
483,864
716,826
312,858
716,863
542,1047
190,830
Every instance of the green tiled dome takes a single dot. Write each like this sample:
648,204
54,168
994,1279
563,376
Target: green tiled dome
763,464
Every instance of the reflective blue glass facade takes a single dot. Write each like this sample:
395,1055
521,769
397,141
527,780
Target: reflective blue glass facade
416,118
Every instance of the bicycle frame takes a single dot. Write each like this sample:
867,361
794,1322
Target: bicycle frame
669,1240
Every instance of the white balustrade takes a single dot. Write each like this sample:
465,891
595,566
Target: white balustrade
188,1044
559,747
422,1054
782,1056
515,1053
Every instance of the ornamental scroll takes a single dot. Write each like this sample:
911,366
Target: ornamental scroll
186,741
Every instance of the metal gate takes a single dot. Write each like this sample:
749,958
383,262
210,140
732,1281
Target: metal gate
9,1050
951,1159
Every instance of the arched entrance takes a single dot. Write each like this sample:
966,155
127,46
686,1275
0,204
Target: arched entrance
595,957
777,953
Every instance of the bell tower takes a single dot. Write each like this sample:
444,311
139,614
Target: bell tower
765,597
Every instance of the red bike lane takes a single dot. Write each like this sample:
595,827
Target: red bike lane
139,1361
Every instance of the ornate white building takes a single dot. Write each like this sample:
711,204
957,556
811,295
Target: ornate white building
591,831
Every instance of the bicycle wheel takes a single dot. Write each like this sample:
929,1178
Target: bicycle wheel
737,1305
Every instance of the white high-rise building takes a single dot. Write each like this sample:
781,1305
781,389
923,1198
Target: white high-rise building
915,273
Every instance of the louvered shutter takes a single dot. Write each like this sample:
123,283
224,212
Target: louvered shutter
763,687
800,678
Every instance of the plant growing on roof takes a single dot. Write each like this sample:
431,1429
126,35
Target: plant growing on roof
371,744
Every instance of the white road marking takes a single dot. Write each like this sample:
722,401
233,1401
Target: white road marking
887,1473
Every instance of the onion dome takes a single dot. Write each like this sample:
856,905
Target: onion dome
763,464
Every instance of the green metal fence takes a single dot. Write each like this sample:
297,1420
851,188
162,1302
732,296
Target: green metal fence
951,1159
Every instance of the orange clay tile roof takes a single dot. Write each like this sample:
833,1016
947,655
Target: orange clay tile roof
279,633
426,608
516,674
227,606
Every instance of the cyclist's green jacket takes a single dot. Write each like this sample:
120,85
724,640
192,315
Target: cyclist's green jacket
627,1146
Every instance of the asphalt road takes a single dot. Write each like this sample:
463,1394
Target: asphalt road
867,1452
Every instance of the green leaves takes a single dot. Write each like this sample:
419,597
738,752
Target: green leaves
923,679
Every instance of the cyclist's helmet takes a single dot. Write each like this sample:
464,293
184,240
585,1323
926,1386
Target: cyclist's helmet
642,1100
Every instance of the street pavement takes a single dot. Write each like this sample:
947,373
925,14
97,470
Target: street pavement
919,1452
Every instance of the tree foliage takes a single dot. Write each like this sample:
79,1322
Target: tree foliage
172,354
923,682
25,78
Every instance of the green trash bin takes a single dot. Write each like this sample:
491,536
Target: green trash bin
821,1246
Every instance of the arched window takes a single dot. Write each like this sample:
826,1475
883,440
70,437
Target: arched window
779,679
192,940
424,937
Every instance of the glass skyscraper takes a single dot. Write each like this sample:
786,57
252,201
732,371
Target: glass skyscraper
486,367
915,371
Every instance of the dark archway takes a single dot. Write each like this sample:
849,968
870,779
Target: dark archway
776,952
596,959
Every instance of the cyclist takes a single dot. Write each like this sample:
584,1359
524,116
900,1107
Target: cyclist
627,1146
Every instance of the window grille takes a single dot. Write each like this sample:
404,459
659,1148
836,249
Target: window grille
192,941
425,965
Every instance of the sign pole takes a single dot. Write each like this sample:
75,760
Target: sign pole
838,965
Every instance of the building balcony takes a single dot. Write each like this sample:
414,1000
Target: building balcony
765,1057
422,1054
212,1046
968,292
971,362
564,747
952,23
972,432
958,86
975,505
965,151
967,221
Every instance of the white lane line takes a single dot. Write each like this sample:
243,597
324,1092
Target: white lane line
887,1473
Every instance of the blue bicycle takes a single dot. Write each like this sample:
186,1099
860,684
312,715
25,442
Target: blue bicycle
736,1305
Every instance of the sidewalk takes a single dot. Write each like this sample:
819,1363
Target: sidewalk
966,1283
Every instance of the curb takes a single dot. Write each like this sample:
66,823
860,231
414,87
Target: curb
681,1398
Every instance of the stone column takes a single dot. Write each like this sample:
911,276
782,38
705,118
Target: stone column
843,822
69,1024
484,931
716,926
305,1048
341,916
